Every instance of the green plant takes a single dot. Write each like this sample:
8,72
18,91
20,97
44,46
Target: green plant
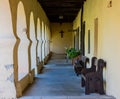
72,52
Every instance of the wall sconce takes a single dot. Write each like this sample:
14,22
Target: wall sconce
61,17
25,30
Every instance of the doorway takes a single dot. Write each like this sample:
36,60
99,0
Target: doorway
76,39
83,38
96,37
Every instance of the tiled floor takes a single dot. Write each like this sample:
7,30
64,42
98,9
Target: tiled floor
58,81
67,97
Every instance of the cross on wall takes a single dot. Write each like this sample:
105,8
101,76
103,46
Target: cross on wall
61,32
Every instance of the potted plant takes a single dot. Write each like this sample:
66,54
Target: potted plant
72,53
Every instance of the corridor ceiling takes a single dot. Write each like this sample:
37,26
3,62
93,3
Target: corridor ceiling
61,10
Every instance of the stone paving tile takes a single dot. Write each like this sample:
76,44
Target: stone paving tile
90,97
55,97
68,97
30,97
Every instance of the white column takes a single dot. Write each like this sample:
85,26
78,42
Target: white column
7,42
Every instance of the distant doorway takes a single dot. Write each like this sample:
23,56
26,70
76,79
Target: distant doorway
83,39
96,37
76,41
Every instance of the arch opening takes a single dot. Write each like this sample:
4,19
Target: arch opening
33,49
23,63
43,41
39,40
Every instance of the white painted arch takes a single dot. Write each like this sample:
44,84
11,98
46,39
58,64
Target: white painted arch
39,39
33,49
23,63
43,40
45,44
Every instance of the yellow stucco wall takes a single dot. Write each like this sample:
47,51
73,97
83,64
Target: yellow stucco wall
108,39
58,44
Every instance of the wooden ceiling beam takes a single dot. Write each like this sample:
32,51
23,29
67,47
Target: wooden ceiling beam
62,9
62,14
61,0
67,8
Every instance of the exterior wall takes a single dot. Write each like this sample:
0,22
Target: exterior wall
108,39
58,44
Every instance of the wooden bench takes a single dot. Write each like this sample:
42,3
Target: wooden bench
87,70
79,63
94,79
